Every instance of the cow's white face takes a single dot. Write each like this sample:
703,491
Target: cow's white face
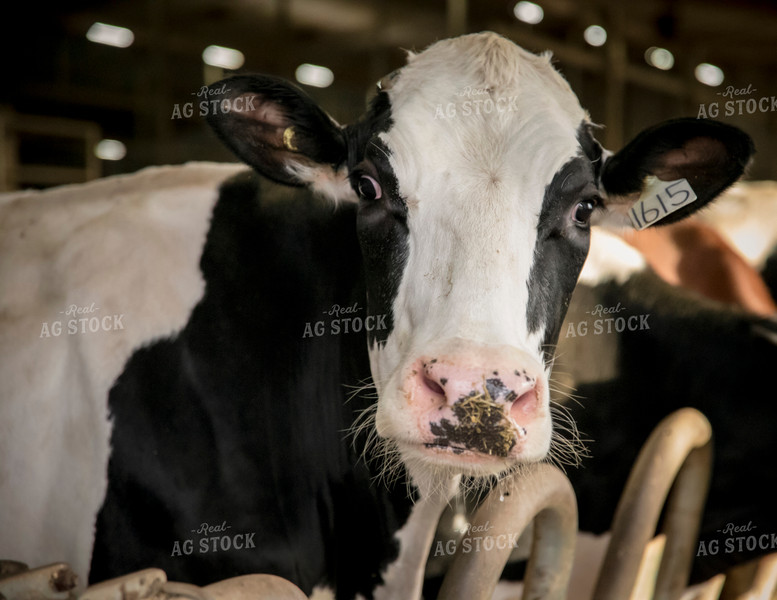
479,130
476,176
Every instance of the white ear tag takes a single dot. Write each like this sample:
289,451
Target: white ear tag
660,198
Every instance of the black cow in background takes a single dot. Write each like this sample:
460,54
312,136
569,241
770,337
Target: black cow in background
635,349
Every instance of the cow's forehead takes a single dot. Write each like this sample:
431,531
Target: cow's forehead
483,60
480,108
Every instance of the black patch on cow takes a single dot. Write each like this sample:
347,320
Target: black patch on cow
481,426
769,273
498,390
376,120
561,249
696,353
241,419
381,224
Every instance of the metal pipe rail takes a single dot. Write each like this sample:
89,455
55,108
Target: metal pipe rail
58,582
672,469
541,493
676,456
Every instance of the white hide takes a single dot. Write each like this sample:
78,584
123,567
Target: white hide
474,186
125,245
322,593
325,181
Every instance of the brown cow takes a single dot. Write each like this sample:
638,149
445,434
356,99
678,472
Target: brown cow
692,254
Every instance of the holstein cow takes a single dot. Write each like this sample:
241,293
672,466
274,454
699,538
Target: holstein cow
634,349
430,249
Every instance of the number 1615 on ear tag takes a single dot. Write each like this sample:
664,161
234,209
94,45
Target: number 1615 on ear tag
660,198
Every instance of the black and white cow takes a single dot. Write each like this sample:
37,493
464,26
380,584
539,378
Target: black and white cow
634,349
452,224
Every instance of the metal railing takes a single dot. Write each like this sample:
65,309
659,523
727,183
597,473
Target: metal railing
671,474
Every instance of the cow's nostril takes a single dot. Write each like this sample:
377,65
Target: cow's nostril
434,386
525,404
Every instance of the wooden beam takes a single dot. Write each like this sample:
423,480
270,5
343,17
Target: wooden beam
615,89
456,17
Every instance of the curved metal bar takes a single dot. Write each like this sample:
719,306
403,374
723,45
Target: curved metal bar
249,587
679,451
176,590
12,567
153,584
51,582
709,590
645,584
541,493
752,580
682,520
764,583
140,584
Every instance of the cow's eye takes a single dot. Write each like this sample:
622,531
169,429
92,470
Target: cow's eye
583,211
369,189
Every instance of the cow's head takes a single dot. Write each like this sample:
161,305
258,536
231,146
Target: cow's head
477,178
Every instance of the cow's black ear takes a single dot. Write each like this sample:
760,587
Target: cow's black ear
708,154
276,128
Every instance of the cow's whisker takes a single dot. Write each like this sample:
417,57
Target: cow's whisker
567,448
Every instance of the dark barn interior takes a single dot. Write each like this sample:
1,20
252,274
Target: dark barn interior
96,88
64,93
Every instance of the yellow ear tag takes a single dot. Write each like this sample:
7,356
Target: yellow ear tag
288,139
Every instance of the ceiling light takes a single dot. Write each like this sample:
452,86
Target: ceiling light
660,58
226,58
314,75
528,12
110,35
709,74
595,35
110,150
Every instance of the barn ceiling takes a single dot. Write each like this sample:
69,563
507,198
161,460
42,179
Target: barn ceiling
129,94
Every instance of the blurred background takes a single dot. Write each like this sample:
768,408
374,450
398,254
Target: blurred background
94,87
